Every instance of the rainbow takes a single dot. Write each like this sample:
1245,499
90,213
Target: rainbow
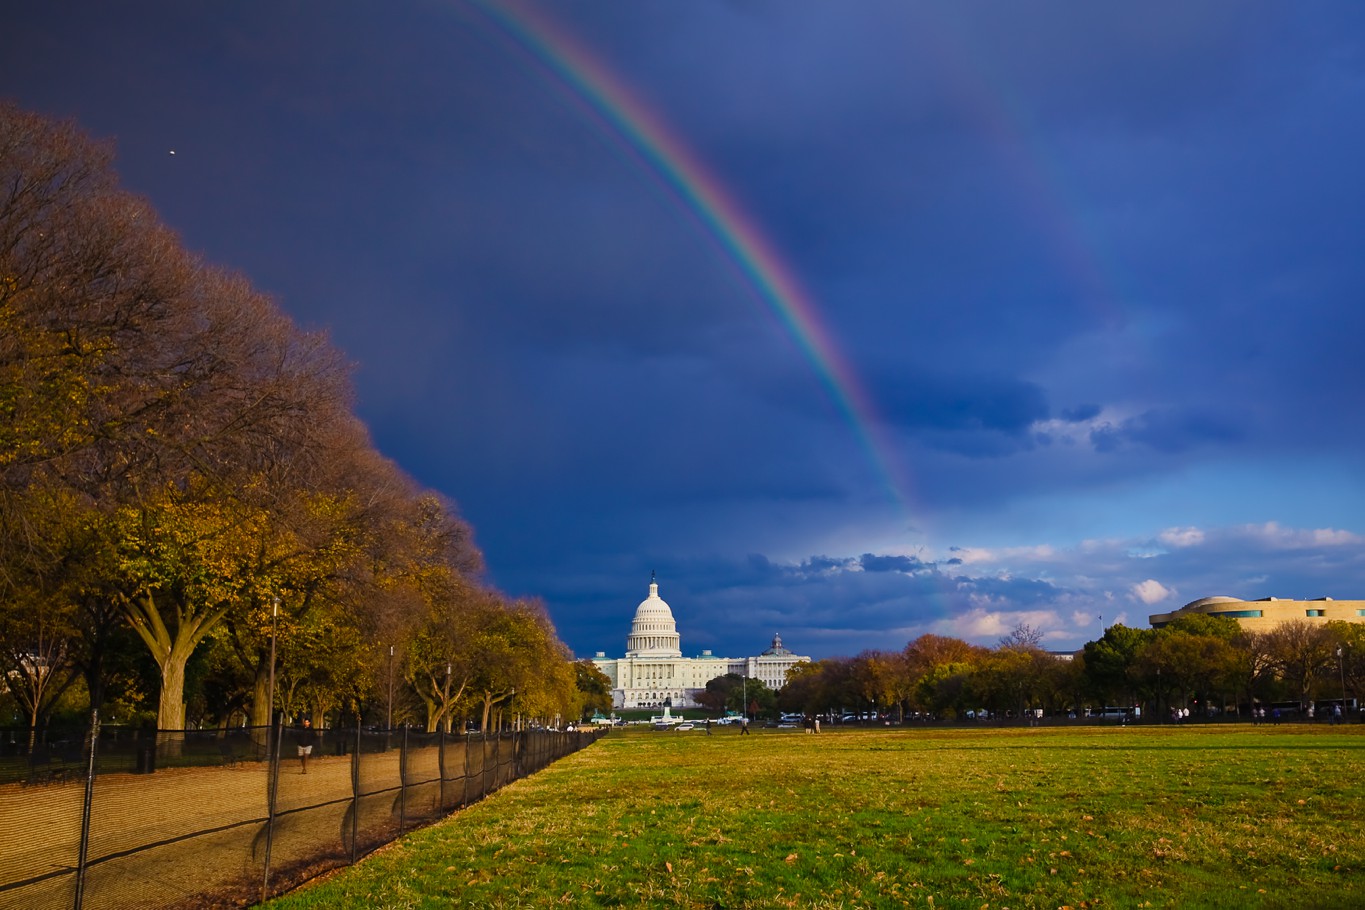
702,195
1037,176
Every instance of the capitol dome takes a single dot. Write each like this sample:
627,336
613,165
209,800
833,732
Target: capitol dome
653,632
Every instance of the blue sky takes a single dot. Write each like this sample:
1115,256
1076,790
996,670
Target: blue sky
1095,267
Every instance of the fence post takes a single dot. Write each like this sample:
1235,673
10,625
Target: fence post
273,785
355,791
403,782
464,778
84,852
441,766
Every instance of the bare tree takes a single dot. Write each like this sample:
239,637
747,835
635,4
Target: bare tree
1022,637
1301,654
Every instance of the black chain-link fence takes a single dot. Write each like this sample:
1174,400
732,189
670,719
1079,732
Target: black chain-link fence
213,818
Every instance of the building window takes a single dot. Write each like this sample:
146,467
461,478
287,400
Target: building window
1239,614
1315,612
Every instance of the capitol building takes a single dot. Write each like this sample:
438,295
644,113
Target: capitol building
654,670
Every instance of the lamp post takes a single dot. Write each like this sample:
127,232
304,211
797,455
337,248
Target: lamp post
388,722
1160,718
272,743
744,694
1341,667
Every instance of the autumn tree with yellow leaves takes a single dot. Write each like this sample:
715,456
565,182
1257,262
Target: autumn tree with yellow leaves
181,467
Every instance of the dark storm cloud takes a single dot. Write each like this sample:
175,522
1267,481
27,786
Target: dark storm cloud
873,563
1081,413
1084,260
962,403
1167,431
1014,593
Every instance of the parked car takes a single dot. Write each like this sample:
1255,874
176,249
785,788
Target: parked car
687,725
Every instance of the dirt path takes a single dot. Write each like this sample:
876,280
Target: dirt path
196,837
209,821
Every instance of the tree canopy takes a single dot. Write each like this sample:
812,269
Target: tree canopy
184,483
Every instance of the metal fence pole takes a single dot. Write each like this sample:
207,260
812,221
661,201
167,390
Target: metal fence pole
84,853
403,781
464,779
441,767
355,792
273,788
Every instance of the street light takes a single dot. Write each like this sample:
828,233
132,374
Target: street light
389,719
1160,718
272,742
1341,666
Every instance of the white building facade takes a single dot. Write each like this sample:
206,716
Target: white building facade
654,671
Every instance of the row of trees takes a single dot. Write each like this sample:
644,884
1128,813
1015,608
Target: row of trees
1204,663
185,491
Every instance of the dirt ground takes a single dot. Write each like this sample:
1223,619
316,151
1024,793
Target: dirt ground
159,840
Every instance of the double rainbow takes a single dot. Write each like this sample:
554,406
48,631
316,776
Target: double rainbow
698,190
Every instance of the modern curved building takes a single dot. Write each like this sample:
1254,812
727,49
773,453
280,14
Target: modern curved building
654,670
1269,612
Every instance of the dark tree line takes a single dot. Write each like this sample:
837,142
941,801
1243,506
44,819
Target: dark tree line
1203,663
183,480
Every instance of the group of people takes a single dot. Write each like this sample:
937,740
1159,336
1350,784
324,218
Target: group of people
1258,715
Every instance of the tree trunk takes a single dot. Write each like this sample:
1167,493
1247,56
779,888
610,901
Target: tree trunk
170,713
433,715
258,720
33,727
260,696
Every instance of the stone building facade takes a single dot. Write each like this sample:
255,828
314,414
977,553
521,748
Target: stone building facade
654,670
1269,612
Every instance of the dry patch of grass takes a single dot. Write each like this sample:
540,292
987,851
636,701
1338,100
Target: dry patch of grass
1106,817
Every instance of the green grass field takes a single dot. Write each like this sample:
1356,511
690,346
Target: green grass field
1192,817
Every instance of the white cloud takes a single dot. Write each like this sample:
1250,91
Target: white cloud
1062,588
973,555
977,556
1334,537
986,626
1276,536
1181,537
1151,591
1082,618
